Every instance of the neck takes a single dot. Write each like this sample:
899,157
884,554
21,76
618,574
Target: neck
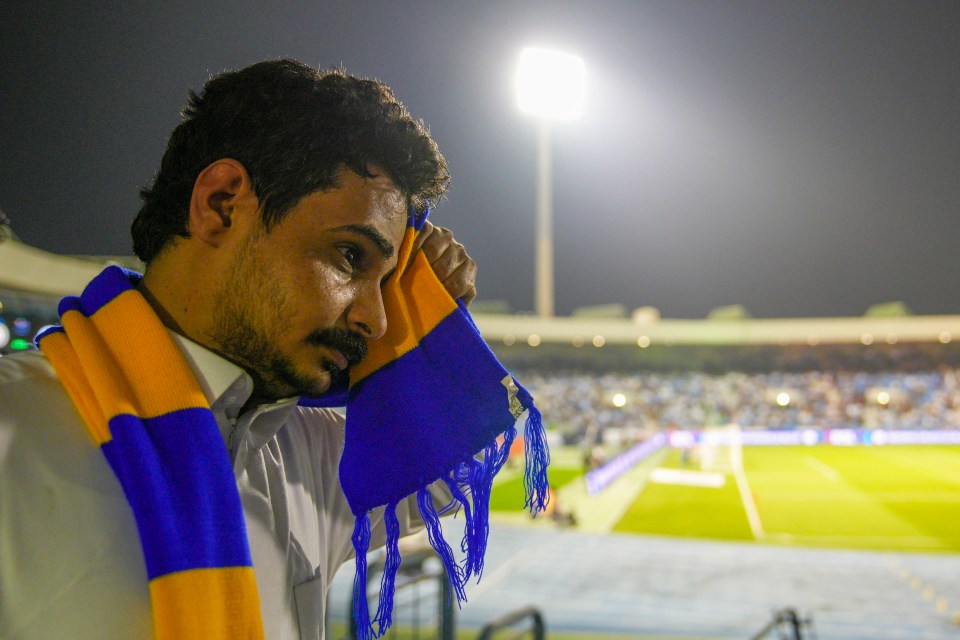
183,306
158,307
180,297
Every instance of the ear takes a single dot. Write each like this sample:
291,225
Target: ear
221,194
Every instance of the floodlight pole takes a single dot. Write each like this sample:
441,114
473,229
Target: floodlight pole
549,86
544,266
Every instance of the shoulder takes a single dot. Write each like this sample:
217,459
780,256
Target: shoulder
24,367
29,387
36,413
54,483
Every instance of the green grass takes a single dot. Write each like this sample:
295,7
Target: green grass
509,495
896,498
566,466
697,512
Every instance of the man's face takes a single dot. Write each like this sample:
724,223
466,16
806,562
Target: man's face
300,302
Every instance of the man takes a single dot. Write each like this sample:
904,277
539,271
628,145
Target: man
275,218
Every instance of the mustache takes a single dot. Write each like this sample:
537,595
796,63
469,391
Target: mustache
352,345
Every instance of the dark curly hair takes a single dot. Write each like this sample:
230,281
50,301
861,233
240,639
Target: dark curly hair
293,128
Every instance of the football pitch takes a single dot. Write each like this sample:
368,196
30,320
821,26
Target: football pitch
898,498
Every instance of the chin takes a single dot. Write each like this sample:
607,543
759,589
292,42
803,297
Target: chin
288,381
318,388
311,386
319,382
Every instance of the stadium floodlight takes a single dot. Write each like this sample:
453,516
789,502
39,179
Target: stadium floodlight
550,86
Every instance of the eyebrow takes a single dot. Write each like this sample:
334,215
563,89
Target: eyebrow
383,245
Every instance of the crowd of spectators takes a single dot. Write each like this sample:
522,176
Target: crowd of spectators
585,406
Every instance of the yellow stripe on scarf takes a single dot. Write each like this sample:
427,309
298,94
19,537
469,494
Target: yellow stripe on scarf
180,610
409,322
57,348
116,372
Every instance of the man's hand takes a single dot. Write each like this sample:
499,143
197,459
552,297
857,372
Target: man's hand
455,269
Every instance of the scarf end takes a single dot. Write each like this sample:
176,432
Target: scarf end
361,613
535,480
431,520
471,485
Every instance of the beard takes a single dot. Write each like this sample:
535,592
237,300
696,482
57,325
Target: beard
274,374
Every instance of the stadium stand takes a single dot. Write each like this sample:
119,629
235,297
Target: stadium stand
619,408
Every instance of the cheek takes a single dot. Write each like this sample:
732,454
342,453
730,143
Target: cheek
323,294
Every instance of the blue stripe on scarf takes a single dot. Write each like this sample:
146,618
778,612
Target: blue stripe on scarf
436,417
175,471
111,282
46,331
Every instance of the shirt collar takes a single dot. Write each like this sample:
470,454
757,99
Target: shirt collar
216,374
227,388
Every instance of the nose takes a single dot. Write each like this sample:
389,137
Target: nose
366,315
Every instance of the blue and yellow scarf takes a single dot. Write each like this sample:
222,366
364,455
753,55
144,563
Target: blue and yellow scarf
429,397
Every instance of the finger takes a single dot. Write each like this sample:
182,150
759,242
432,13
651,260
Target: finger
461,283
469,296
445,263
439,243
449,260
425,232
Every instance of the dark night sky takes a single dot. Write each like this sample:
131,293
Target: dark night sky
799,158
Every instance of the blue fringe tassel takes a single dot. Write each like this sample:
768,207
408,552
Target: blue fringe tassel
535,480
361,544
435,535
384,617
470,485
457,484
493,460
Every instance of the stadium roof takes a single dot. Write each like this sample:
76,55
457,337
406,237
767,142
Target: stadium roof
31,271
27,269
782,331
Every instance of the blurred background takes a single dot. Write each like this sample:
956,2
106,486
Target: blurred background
749,367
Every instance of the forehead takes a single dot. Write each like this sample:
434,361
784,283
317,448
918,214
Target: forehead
376,192
368,201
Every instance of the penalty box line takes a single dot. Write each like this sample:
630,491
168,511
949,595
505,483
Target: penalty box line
749,504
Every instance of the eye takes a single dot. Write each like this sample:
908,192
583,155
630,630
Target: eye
351,254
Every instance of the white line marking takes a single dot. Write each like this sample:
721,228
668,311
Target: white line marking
825,469
749,504
665,475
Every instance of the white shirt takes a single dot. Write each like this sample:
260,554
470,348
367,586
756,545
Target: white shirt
71,565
